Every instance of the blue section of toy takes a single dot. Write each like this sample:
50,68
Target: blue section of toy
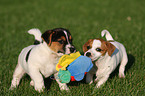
79,66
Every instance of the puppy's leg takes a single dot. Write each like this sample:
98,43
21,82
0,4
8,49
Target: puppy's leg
18,73
102,80
89,78
37,79
62,86
122,65
32,83
90,74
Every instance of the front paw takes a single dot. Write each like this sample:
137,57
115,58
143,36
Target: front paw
64,88
121,75
91,82
96,80
12,87
39,88
32,83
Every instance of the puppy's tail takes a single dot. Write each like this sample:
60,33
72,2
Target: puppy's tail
37,34
107,35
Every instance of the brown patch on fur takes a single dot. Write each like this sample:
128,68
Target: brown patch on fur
70,37
56,46
56,39
103,46
62,38
107,47
88,44
47,36
111,48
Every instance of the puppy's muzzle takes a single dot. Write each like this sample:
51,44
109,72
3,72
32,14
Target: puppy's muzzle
72,49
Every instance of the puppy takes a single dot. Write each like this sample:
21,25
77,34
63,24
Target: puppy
41,58
106,55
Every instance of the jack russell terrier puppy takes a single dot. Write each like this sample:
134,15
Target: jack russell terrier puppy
41,58
106,55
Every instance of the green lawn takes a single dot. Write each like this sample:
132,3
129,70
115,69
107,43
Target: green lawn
85,19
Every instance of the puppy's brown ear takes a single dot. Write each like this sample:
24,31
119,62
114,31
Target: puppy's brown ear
110,48
47,36
87,45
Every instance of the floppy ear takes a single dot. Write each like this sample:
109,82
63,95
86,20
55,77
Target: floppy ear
87,45
47,36
110,48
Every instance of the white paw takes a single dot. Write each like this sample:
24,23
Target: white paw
96,80
32,83
39,89
91,82
121,75
64,87
97,86
12,87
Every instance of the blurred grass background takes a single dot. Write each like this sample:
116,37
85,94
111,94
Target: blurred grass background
85,20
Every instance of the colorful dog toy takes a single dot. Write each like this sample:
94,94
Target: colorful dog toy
73,67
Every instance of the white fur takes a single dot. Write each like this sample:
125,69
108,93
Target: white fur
66,37
42,60
68,46
106,64
107,35
37,34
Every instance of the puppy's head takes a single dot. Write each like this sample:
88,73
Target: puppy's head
95,48
59,40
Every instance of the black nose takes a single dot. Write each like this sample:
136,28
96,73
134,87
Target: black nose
88,54
72,49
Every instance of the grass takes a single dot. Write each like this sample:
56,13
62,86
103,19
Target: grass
85,19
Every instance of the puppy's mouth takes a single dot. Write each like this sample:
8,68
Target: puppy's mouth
60,52
67,50
90,55
70,49
94,59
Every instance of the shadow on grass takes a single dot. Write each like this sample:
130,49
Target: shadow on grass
48,82
77,83
131,61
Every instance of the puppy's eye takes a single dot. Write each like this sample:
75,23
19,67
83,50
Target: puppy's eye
88,47
61,41
98,49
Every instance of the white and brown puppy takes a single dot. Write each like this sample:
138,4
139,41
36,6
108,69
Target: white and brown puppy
106,55
41,59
